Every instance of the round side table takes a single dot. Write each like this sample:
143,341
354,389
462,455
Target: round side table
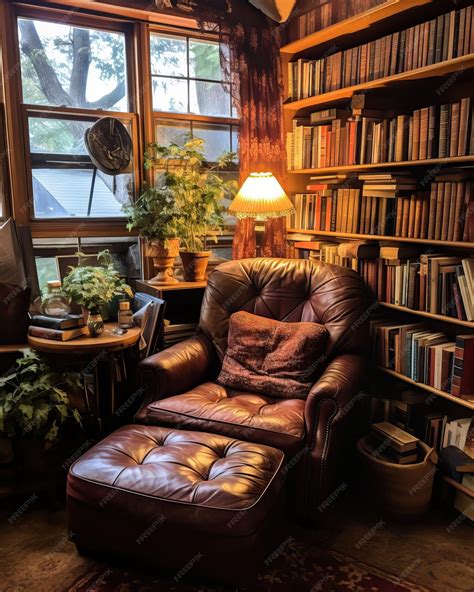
97,357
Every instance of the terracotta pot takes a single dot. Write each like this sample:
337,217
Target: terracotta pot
163,260
195,265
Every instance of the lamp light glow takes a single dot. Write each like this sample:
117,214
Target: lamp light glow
261,197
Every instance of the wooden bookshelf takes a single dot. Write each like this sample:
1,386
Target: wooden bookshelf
432,71
354,24
430,389
428,315
412,84
396,239
451,161
459,486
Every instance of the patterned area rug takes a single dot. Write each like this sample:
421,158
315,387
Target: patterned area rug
299,569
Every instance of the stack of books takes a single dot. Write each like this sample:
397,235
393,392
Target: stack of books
58,328
426,355
392,444
335,137
446,37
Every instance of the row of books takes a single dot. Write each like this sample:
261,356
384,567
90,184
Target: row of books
338,137
410,412
58,328
434,283
388,205
425,355
442,213
324,13
443,38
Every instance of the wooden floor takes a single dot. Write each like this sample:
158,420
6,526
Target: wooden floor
37,556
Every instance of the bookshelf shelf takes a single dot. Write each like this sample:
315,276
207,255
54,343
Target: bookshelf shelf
432,71
453,160
428,315
396,239
426,387
459,486
354,24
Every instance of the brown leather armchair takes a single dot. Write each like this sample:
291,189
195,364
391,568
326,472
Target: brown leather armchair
180,381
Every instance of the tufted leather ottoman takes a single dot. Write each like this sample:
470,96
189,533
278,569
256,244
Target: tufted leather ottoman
189,502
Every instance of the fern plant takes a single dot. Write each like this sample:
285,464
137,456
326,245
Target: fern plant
94,287
34,399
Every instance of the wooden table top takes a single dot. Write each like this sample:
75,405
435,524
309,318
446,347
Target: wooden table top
106,341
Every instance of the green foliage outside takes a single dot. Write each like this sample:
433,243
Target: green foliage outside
34,399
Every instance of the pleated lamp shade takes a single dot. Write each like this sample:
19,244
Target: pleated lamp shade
261,197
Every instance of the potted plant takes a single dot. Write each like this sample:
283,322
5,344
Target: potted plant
33,404
198,191
154,215
93,287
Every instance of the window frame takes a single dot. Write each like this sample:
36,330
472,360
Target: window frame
232,121
77,226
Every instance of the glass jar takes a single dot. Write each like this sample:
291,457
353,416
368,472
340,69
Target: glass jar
125,315
54,302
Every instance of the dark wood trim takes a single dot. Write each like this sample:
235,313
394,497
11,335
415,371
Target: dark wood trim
197,118
71,228
93,8
14,118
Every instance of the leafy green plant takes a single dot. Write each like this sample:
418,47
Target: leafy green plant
33,400
153,214
93,287
198,190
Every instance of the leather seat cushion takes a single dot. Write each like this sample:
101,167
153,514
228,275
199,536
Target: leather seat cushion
192,480
247,416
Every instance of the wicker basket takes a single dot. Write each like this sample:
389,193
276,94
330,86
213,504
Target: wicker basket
400,489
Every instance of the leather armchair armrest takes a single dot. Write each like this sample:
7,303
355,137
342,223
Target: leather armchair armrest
327,412
340,383
177,369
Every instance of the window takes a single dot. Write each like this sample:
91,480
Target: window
70,75
190,93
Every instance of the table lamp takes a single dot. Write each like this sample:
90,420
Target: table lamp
261,198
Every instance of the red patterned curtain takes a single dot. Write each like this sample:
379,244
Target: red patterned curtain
254,67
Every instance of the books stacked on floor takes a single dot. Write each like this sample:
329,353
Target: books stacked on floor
174,333
443,38
392,444
425,355
57,328
324,13
334,137
388,205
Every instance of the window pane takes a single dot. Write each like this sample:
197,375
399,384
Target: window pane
65,192
72,66
217,138
235,140
172,132
209,98
168,55
62,173
57,136
170,94
204,60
